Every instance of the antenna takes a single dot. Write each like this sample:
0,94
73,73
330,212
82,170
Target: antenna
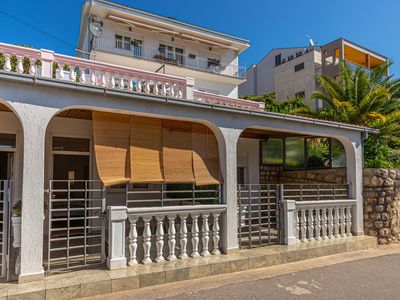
96,29
312,44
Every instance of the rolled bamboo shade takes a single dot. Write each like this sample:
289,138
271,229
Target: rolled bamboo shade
111,145
146,150
206,165
177,151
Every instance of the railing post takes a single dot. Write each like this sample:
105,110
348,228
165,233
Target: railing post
289,220
189,88
47,59
116,237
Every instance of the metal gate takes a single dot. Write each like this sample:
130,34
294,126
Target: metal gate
76,233
258,214
5,200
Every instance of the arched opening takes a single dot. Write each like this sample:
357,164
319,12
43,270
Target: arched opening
273,166
11,163
97,159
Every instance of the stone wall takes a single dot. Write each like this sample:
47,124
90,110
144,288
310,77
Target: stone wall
382,204
381,197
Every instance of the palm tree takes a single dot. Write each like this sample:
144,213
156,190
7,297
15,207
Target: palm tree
367,98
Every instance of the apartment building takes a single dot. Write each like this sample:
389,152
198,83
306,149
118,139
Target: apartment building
291,72
155,43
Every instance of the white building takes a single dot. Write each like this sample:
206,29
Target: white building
79,137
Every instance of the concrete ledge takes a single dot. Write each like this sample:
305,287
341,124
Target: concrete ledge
92,282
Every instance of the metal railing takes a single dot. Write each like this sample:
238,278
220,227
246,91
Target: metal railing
172,194
173,58
258,214
5,202
76,232
316,192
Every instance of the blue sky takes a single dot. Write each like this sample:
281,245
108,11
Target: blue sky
266,23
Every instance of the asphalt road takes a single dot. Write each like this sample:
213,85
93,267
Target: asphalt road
371,274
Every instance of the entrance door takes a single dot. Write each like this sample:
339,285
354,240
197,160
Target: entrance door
76,237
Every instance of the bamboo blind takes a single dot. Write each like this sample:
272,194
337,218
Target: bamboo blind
111,144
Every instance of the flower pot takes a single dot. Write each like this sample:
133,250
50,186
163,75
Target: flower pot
16,224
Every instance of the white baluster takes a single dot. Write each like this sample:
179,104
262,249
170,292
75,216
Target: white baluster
317,224
330,223
32,67
195,236
72,74
348,221
103,80
139,86
180,94
146,240
112,82
183,236
82,77
147,88
324,223
61,74
7,63
160,238
93,78
20,66
310,225
171,238
216,234
156,89
164,90
336,223
205,235
303,226
133,235
172,91
297,220
121,83
342,222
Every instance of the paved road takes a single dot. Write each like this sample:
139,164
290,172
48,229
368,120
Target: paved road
372,274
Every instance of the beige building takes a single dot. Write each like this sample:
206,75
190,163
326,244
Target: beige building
291,72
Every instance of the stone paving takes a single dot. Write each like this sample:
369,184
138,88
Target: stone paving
90,282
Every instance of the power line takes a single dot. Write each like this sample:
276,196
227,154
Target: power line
37,29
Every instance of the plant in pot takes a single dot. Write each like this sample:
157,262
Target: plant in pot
16,224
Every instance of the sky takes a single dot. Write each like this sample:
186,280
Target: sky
266,23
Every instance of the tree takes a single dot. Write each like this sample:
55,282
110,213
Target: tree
366,98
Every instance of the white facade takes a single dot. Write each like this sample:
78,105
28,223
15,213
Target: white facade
146,41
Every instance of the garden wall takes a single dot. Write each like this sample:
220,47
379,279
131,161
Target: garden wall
381,196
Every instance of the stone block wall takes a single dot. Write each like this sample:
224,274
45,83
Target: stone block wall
381,196
382,204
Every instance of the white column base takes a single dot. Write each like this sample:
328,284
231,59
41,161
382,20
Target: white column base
116,263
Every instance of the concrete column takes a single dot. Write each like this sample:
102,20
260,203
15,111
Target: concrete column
116,216
354,157
34,120
228,155
289,219
189,88
47,58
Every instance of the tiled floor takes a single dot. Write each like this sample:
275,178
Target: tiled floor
100,281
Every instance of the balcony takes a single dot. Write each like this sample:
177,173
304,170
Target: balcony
158,54
84,72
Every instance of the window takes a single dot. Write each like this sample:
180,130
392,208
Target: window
179,55
338,154
301,95
299,67
278,59
118,41
294,153
127,43
71,144
137,47
171,53
7,141
272,152
318,152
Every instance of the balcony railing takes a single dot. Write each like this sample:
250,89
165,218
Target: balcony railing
47,64
173,58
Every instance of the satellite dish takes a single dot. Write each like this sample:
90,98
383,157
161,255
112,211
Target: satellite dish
95,29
